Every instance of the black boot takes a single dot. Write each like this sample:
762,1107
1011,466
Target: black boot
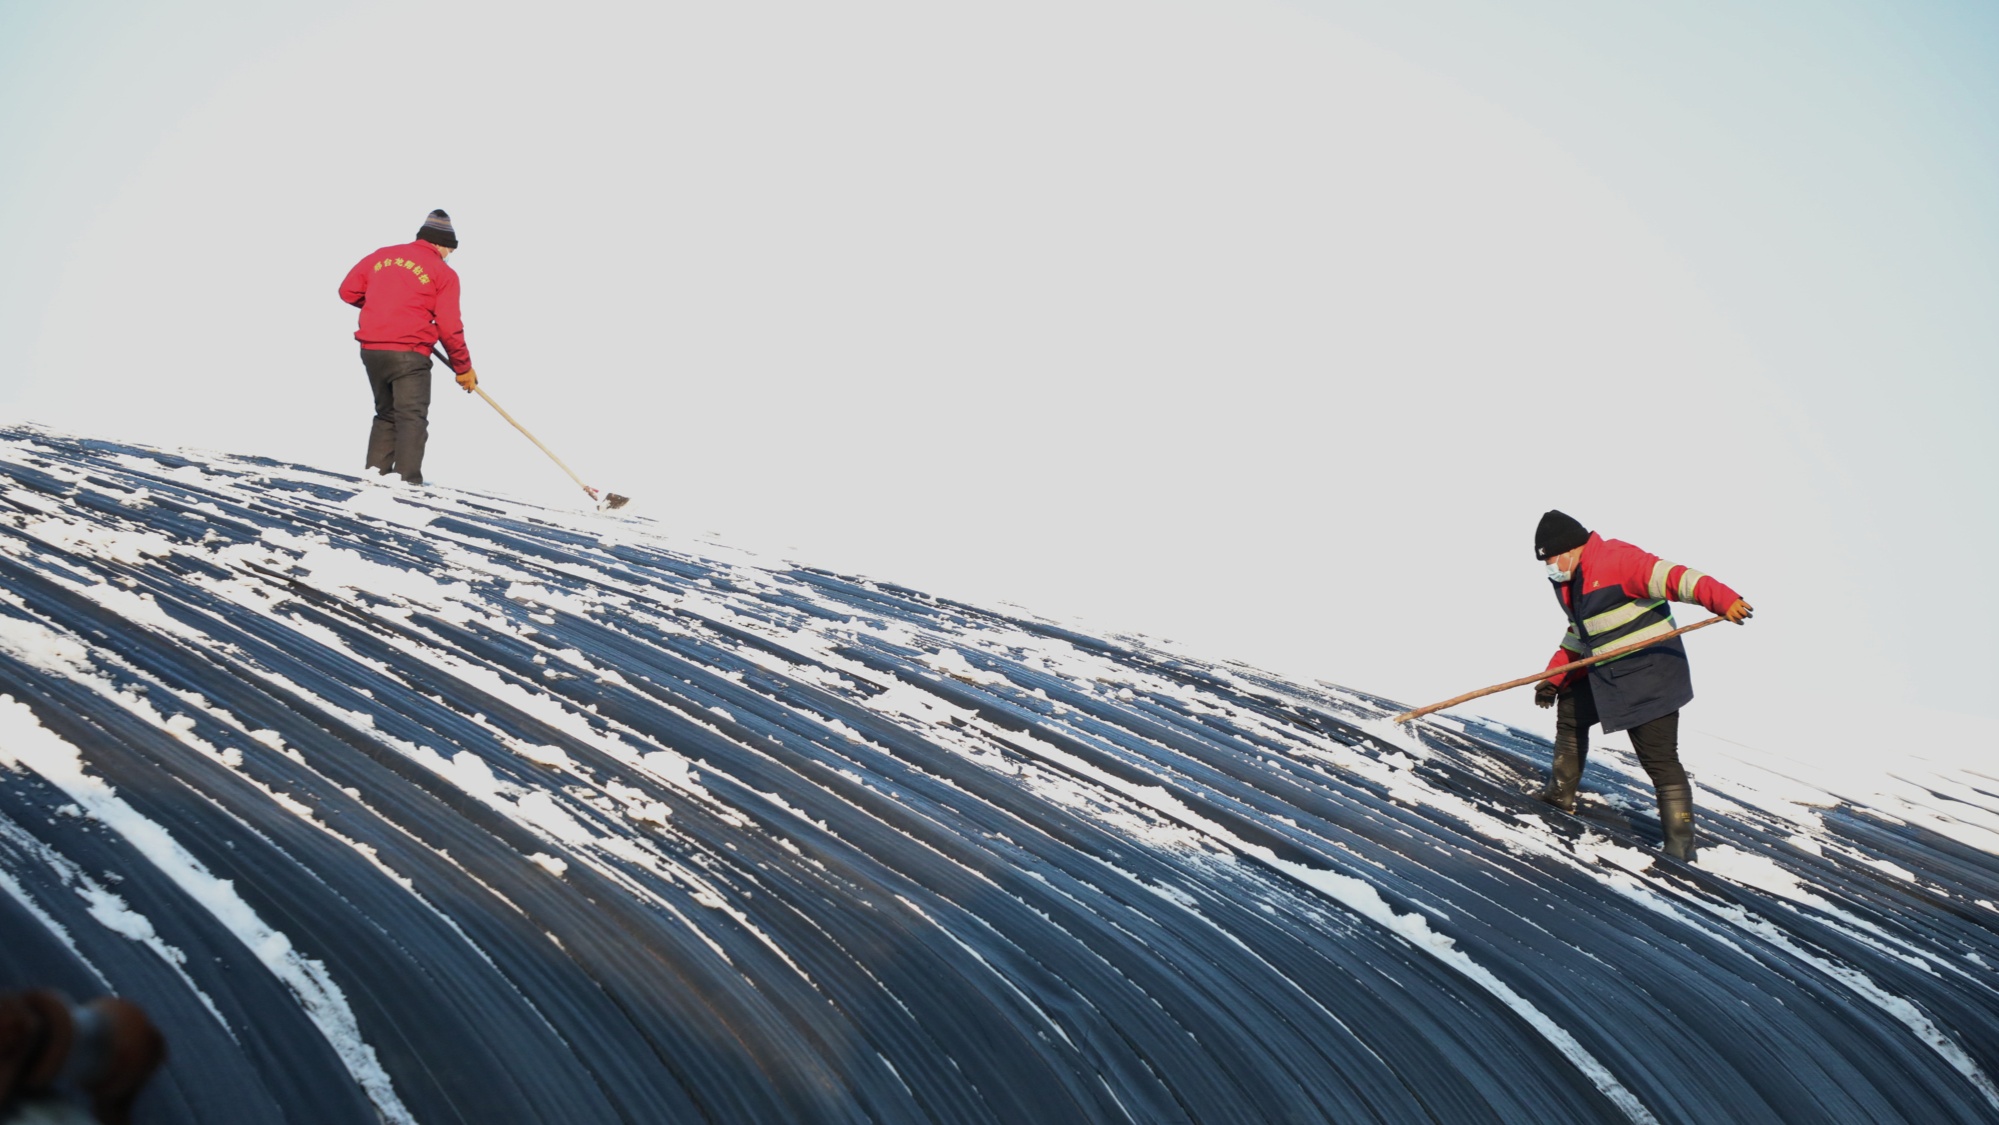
1676,819
1564,775
1575,710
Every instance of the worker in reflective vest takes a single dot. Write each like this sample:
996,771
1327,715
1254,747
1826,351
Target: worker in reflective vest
1615,594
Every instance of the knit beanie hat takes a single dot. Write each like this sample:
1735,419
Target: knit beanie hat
1558,532
437,229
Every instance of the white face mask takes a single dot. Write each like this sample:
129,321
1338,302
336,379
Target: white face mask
1557,574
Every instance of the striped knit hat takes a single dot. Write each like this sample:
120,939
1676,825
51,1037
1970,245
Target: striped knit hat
437,229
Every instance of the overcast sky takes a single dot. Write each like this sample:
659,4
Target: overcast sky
1268,328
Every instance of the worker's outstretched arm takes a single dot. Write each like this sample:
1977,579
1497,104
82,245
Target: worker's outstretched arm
1646,575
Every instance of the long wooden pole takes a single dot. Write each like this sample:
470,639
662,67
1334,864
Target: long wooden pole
481,391
1539,676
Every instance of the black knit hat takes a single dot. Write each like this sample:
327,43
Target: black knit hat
437,229
1556,533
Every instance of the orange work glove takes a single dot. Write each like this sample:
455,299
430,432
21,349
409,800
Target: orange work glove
469,379
1739,612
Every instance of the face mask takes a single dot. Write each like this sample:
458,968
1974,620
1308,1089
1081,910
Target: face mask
1557,574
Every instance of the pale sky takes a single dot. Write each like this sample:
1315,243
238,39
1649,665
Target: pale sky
1268,328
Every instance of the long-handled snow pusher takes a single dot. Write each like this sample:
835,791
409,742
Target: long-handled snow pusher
1539,676
607,501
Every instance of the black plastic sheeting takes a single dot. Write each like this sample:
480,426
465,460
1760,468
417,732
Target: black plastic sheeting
427,806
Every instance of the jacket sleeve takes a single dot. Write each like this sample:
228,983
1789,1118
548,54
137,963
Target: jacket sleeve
354,290
451,324
1563,656
1646,575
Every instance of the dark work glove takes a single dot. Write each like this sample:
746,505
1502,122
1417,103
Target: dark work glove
1545,693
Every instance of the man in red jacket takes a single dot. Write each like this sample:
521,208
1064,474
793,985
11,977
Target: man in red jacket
408,300
1615,594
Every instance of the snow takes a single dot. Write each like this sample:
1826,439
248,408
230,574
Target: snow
26,744
1366,901
839,812
54,928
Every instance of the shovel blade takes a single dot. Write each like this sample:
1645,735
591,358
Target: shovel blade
613,501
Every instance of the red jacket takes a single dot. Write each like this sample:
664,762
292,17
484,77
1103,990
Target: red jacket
1639,575
408,300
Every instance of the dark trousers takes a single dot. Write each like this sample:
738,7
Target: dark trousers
401,382
1657,743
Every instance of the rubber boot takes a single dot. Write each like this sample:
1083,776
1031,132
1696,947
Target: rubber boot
1676,819
1565,773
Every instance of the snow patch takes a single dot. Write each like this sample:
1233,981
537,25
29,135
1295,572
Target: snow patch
26,744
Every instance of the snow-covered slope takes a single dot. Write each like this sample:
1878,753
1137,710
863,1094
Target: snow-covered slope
427,806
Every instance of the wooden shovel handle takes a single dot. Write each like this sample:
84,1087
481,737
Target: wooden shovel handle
1539,676
481,392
